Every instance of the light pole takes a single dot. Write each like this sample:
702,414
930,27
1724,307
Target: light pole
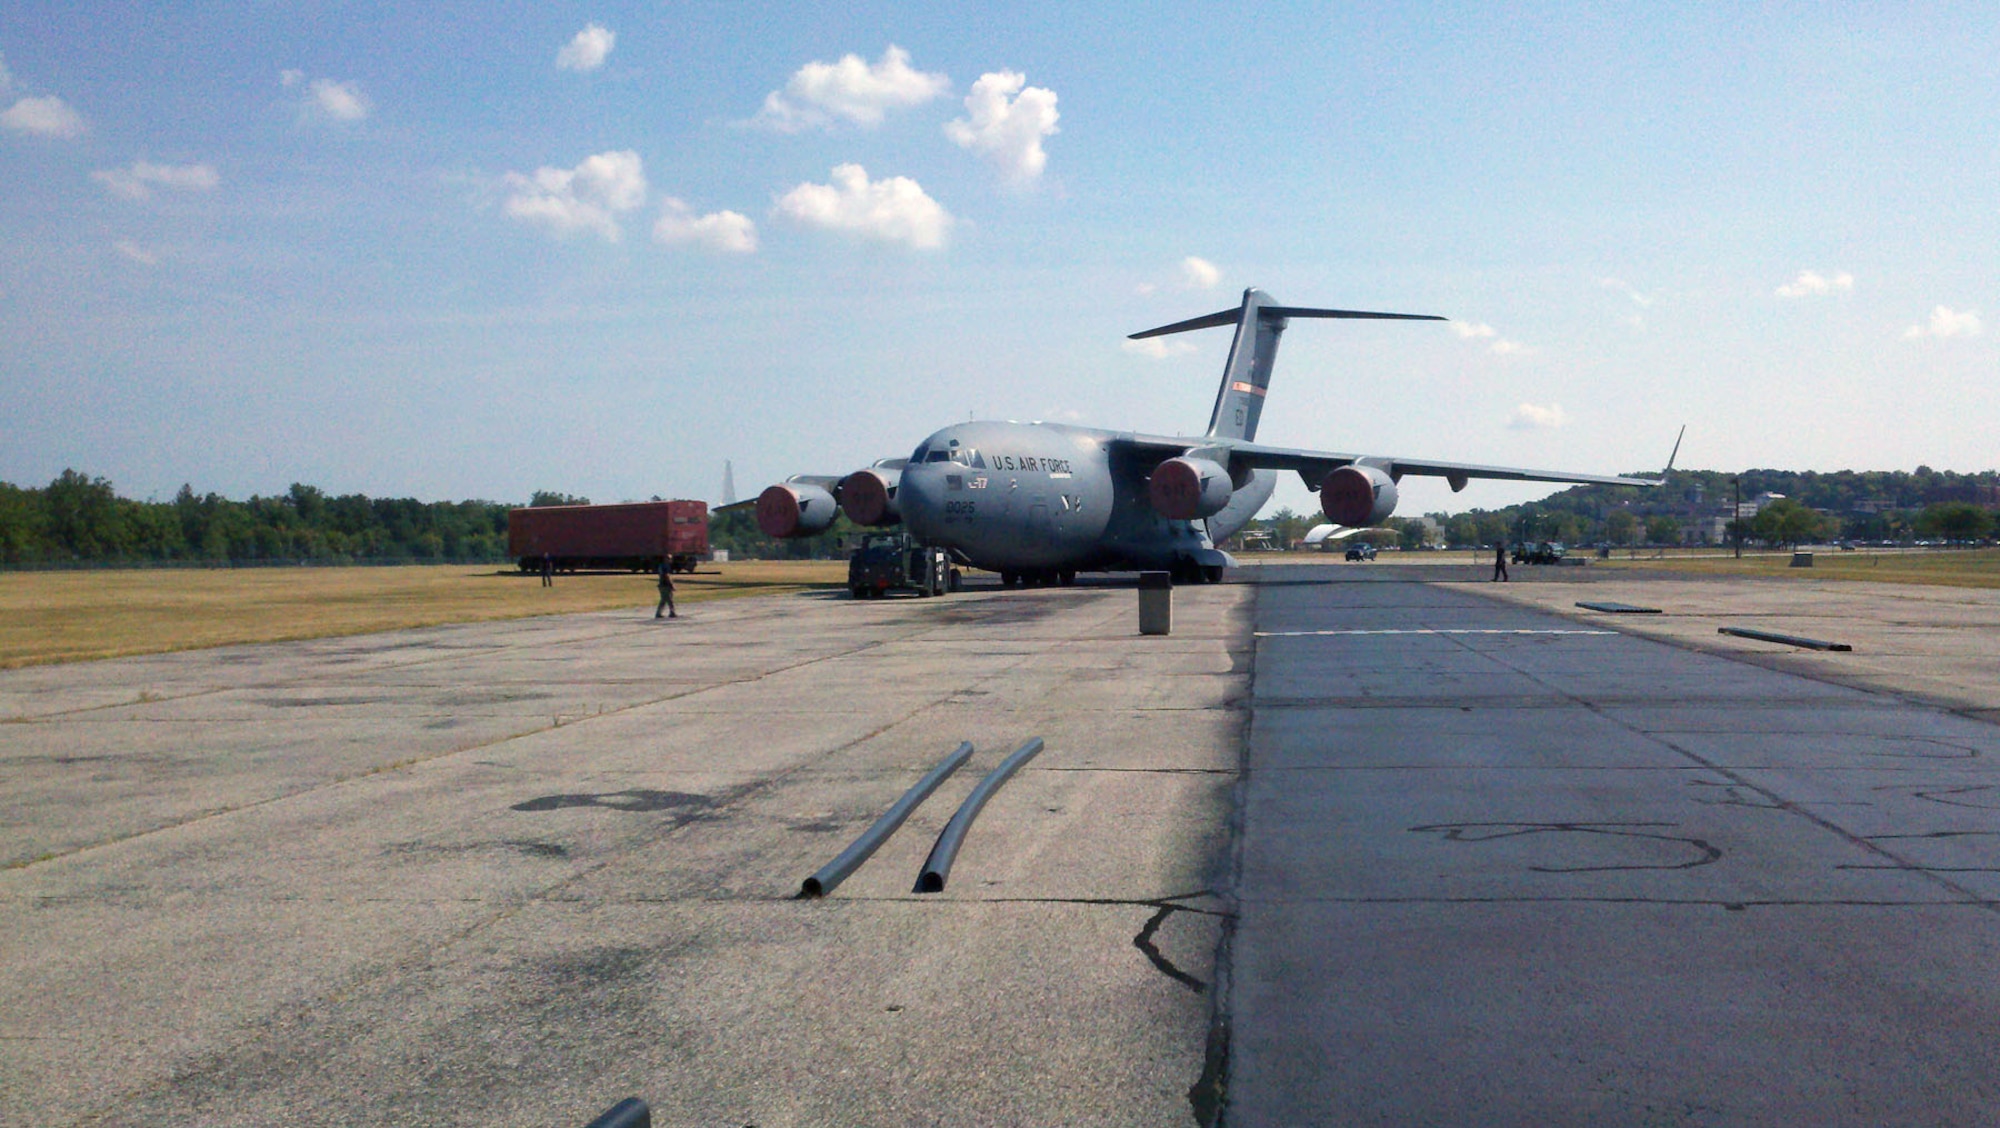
1736,514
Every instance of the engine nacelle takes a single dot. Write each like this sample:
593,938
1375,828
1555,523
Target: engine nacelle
794,509
1357,496
868,497
1183,489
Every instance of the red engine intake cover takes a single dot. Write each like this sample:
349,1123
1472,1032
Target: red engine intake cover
778,511
1357,496
1182,489
865,499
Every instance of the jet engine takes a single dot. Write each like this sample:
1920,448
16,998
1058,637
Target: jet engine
868,497
794,509
1183,489
1357,496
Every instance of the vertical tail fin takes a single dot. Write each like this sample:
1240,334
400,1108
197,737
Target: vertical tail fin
1246,377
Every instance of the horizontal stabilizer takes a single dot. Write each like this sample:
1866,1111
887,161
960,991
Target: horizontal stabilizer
1274,313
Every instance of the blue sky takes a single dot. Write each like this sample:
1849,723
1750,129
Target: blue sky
476,250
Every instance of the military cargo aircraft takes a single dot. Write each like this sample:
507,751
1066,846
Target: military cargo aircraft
1040,502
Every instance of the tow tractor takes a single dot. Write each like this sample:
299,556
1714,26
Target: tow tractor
887,562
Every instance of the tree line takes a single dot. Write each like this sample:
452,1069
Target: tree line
77,519
1890,505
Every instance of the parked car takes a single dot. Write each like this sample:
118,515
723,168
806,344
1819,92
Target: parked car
1361,550
1542,552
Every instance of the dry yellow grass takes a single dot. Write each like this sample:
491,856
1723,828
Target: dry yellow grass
77,616
1977,567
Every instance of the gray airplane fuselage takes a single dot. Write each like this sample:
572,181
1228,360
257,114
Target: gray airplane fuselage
1025,497
1043,501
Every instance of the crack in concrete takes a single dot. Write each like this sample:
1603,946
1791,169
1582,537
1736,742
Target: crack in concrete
1493,831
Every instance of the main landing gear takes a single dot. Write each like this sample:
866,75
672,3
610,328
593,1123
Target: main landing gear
1038,577
1189,572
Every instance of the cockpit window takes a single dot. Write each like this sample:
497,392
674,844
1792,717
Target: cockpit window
923,449
939,456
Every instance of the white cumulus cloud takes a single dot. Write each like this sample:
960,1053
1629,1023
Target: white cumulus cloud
586,52
1534,416
136,253
1627,289
892,210
1810,282
138,181
730,231
589,197
1159,348
1480,331
47,116
336,101
1006,121
1946,322
1199,273
849,90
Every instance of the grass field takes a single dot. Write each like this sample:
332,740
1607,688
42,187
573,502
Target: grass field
1958,567
77,616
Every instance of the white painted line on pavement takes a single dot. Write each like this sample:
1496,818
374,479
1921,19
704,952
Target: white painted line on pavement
1428,631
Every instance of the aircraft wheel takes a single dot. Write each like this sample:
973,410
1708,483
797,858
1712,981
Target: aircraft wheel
957,581
855,592
1009,579
1067,577
1211,574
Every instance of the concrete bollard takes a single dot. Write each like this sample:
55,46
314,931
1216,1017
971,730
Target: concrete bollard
1156,603
1801,559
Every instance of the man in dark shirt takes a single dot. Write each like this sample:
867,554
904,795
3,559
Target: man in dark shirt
1500,560
666,591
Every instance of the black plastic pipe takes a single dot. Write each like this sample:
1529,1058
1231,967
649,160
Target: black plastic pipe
1788,640
628,1113
850,859
937,867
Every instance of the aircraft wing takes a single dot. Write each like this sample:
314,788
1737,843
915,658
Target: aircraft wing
1314,465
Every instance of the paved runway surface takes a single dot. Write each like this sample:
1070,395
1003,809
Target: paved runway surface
1486,865
1504,867
505,874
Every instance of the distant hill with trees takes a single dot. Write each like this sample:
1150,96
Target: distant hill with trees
1696,506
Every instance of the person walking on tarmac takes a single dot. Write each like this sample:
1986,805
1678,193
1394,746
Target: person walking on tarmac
548,570
666,591
1500,561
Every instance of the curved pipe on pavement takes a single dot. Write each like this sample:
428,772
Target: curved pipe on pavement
850,859
937,867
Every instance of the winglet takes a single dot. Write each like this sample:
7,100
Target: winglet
1677,451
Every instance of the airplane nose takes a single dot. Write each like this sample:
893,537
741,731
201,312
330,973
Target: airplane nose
921,498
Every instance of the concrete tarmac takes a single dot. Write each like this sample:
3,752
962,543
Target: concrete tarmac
1353,845
1499,866
510,873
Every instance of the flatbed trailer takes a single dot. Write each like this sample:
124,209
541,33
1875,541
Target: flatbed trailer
636,537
